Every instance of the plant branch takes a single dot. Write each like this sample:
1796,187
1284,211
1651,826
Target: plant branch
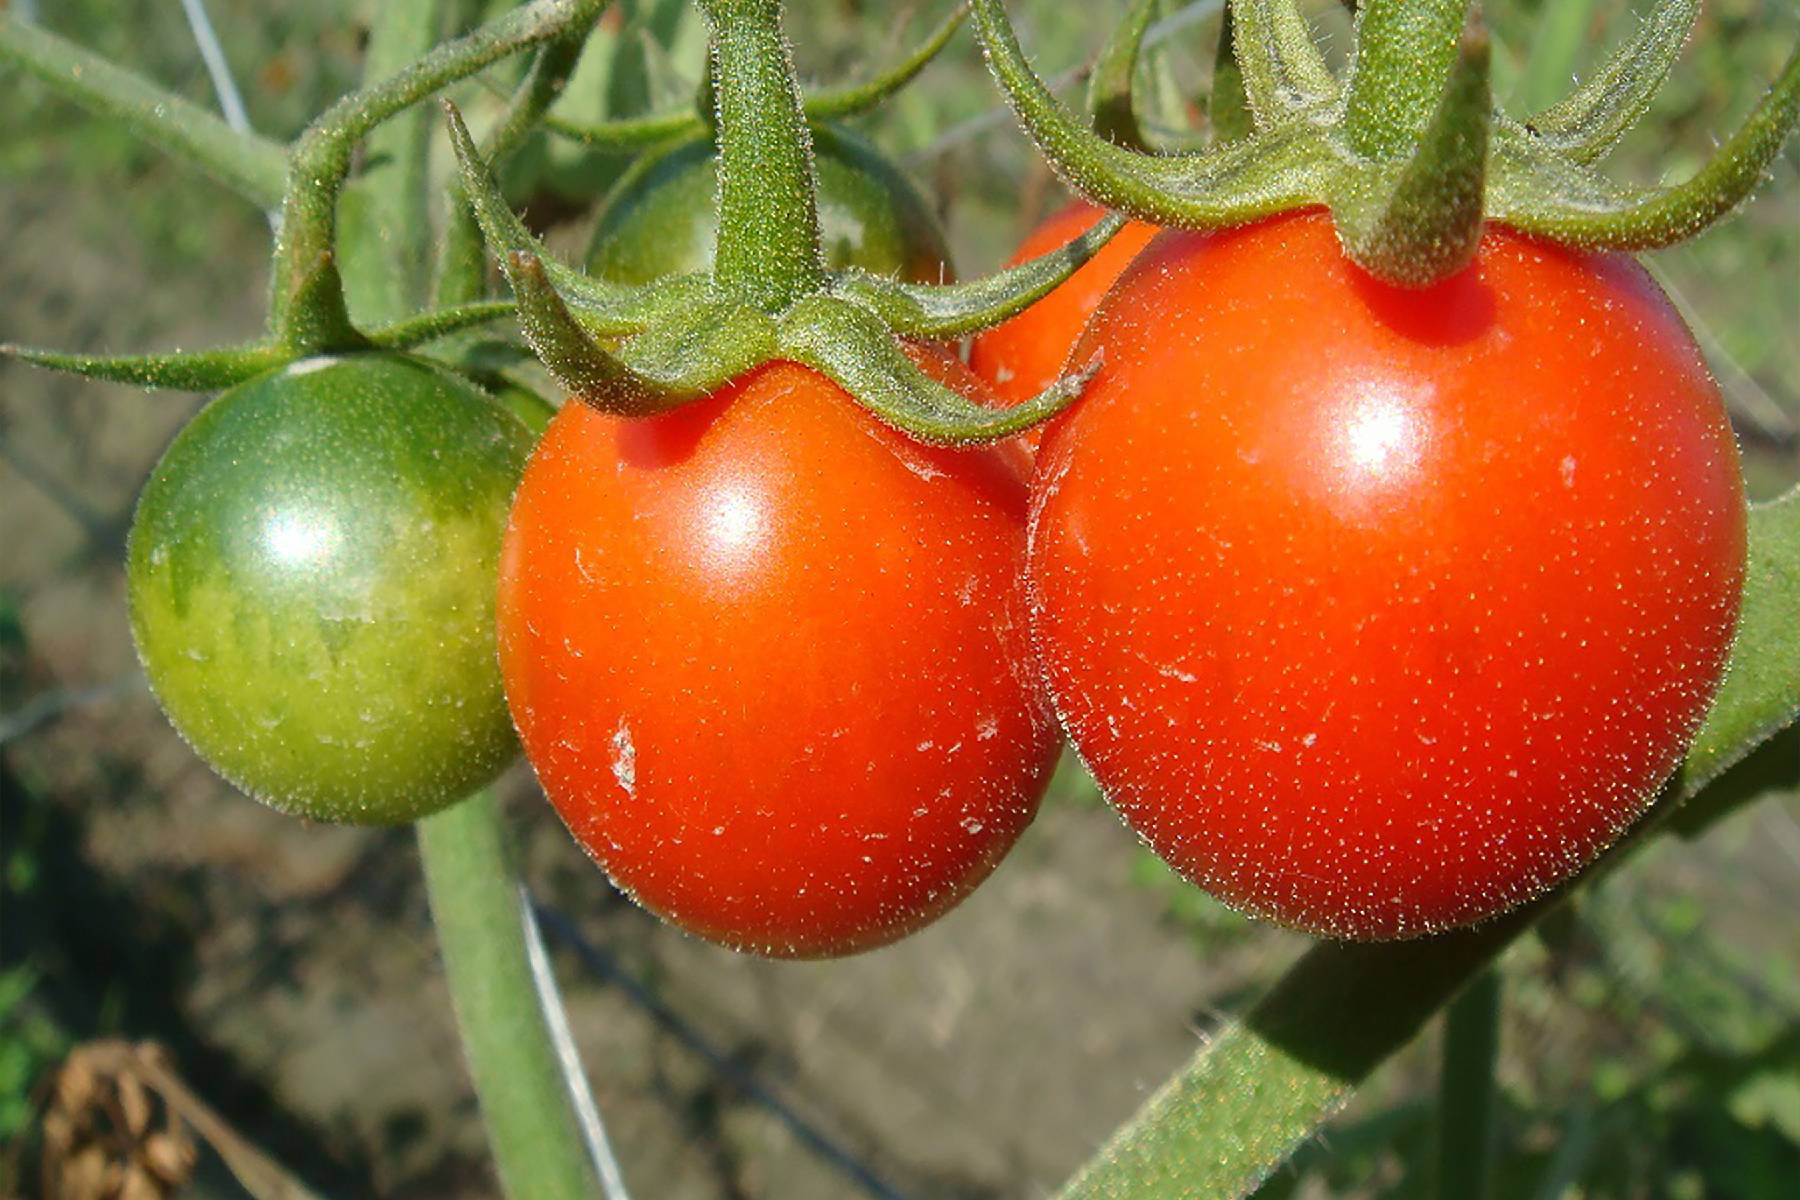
1466,1096
251,166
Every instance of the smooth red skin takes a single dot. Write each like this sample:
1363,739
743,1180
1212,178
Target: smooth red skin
1021,357
1379,612
813,631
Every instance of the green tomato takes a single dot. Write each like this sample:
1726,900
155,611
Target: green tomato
311,579
660,219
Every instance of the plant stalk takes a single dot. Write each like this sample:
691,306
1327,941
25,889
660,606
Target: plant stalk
385,263
1466,1092
308,310
526,1101
769,248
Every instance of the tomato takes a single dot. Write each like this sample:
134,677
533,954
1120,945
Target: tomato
1377,612
769,659
660,218
1023,356
310,574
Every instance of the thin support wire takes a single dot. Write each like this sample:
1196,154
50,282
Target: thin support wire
556,1020
231,100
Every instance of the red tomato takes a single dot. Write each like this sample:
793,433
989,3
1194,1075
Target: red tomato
1023,356
770,660
1378,612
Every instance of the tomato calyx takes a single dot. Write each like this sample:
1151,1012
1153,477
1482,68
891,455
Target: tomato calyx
769,294
1407,151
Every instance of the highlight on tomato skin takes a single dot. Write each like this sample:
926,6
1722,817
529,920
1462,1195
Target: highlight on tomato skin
1377,612
770,661
1021,357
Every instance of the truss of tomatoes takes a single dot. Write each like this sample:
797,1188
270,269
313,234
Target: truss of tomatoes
1374,612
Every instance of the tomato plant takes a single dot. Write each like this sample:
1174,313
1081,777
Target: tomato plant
1020,357
769,659
1378,611
310,575
659,220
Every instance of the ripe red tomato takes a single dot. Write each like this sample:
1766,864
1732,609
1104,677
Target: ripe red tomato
770,660
1378,612
1023,356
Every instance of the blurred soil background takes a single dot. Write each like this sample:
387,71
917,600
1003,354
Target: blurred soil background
1651,1045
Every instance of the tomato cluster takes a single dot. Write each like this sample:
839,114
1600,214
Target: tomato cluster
1374,611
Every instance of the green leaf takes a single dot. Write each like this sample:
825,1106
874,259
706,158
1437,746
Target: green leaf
1761,693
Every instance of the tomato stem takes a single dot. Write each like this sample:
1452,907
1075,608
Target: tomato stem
386,208
1405,50
769,248
527,1101
1466,1094
308,311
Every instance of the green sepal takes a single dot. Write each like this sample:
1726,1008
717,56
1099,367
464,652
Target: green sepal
1232,184
181,370
1591,120
1644,219
636,133
429,326
1265,1083
606,309
579,363
853,348
955,309
1278,67
1405,52
1110,90
462,260
1426,225
693,352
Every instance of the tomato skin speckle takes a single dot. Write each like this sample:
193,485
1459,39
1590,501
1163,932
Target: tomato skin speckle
734,647
1380,612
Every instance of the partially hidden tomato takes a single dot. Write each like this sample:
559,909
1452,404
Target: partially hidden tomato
1021,357
769,659
1378,612
310,574
660,219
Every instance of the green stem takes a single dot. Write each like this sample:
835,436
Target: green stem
251,166
388,242
308,311
1466,1093
1404,52
525,1100
769,253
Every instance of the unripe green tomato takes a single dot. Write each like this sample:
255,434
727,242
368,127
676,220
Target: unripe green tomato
661,218
311,579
